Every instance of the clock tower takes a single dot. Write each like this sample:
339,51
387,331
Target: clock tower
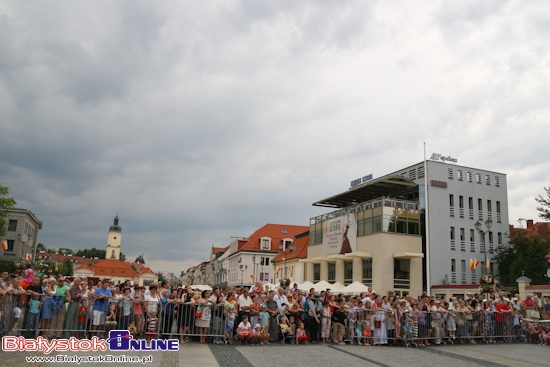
113,241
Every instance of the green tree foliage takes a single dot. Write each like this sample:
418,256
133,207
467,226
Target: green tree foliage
66,268
544,209
8,265
6,205
523,253
161,277
40,247
94,252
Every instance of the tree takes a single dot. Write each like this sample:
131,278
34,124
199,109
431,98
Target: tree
6,205
544,209
161,277
94,252
40,247
523,253
66,268
8,265
122,257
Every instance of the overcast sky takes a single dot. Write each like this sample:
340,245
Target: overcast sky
201,120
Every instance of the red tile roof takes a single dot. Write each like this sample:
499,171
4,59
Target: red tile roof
539,229
301,243
277,232
535,287
61,258
111,268
215,250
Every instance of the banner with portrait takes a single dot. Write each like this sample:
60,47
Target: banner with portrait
340,235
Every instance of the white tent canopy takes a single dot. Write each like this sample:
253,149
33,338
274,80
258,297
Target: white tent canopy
202,287
306,286
321,286
355,288
337,287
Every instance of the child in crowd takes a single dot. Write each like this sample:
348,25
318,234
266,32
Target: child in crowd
110,317
359,330
366,327
284,326
292,323
132,328
301,334
230,323
265,335
34,312
82,317
326,322
451,321
151,326
352,326
257,334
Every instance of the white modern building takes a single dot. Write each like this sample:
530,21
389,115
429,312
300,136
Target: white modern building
421,218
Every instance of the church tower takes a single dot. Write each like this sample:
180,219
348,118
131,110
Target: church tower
113,241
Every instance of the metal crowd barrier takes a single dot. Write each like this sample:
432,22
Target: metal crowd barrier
56,318
417,328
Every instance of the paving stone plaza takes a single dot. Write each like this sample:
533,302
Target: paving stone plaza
517,355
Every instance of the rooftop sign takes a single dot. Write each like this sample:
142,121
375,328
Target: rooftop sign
361,180
440,157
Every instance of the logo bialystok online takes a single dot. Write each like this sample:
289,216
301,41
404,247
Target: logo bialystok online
119,340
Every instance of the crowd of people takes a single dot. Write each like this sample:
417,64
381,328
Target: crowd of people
55,308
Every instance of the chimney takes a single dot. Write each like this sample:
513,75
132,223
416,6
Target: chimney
529,223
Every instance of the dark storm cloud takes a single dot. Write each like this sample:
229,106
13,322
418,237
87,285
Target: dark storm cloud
198,121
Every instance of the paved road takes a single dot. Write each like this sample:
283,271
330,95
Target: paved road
517,355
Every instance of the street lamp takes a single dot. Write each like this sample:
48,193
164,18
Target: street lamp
243,269
488,224
286,249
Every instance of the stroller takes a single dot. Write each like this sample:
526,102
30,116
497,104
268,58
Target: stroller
286,336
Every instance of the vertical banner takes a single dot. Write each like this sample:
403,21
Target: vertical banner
340,235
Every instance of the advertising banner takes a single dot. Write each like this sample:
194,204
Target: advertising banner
340,235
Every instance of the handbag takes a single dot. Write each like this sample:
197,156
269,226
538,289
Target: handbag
534,314
198,315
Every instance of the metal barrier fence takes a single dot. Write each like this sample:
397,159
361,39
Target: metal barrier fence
53,317
419,328
50,316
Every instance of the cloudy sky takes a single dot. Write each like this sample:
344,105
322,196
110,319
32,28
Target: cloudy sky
201,120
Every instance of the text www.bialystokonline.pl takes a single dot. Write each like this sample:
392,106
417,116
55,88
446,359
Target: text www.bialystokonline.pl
91,359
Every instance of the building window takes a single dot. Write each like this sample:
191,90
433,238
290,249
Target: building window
401,273
451,200
499,238
460,175
266,243
12,226
420,171
479,204
488,180
267,260
316,273
348,272
10,245
331,272
453,271
469,176
453,244
412,174
497,181
472,241
450,173
461,201
478,178
489,206
463,271
490,242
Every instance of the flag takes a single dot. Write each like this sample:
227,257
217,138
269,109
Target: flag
472,264
487,264
476,263
28,257
5,245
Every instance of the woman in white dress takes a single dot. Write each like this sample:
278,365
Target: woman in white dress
380,335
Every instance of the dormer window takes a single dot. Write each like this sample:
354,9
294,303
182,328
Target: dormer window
265,243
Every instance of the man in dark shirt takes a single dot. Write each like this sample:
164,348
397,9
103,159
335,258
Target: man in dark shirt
273,311
34,288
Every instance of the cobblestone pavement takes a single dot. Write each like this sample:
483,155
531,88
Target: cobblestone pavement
517,355
276,355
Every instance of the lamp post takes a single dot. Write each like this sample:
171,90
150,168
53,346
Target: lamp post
286,250
243,269
488,224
